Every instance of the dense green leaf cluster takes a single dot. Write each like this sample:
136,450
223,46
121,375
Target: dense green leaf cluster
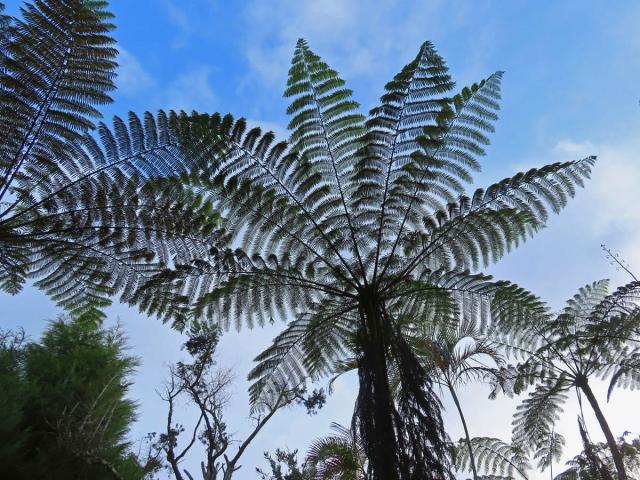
65,411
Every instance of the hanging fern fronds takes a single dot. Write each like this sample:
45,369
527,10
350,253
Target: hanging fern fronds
535,418
461,296
308,348
624,370
550,451
495,458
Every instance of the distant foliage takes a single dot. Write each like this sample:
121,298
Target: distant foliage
594,336
64,406
495,459
581,467
283,465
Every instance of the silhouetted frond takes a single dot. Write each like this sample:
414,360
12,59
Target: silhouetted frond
310,346
494,458
535,417
360,226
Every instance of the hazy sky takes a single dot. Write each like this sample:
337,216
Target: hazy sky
571,89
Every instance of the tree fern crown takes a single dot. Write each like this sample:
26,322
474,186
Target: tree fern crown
356,208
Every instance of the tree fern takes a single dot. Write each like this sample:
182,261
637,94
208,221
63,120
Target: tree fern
77,214
358,229
595,335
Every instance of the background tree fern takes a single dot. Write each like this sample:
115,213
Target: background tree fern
355,224
76,214
596,335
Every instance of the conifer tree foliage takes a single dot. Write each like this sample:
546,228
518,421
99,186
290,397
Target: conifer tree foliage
76,213
64,404
356,223
596,335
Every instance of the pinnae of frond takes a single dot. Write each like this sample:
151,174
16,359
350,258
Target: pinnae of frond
330,153
354,280
449,118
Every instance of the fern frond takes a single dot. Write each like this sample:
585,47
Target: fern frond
473,298
412,101
494,458
309,347
625,372
326,130
535,417
59,66
97,226
550,450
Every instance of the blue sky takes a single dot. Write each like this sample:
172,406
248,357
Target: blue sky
571,89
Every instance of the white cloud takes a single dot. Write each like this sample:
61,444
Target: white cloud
181,20
610,204
192,91
132,77
353,35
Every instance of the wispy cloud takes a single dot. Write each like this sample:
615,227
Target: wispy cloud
132,77
610,201
181,20
191,90
358,37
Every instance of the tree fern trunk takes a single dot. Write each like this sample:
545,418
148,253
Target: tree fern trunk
375,409
611,441
403,437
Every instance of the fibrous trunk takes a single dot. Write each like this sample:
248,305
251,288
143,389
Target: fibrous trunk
403,437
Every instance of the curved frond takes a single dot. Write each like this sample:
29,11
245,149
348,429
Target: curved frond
494,458
535,417
309,347
337,456
97,226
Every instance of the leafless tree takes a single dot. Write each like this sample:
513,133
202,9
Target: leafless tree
206,387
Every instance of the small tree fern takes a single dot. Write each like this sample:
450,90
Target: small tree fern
354,223
595,336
